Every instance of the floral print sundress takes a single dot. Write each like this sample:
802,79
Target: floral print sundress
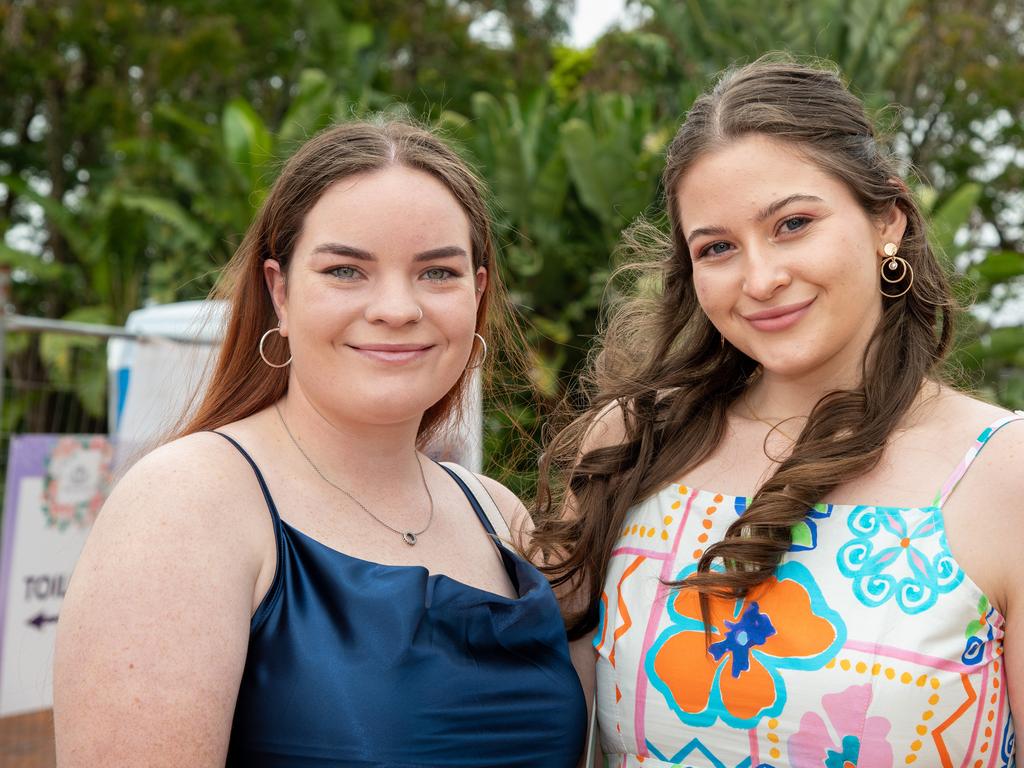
869,646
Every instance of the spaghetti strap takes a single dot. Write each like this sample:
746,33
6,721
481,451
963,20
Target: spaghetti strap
971,455
475,490
259,476
475,502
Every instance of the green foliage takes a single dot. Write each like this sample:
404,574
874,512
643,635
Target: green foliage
143,137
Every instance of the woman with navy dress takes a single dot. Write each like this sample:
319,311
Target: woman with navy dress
290,581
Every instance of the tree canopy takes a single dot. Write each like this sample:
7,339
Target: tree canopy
137,139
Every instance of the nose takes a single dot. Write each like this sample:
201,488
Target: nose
764,273
393,303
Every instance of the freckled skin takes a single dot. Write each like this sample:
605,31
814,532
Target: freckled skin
830,255
392,214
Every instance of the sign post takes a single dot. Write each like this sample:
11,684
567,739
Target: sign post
55,487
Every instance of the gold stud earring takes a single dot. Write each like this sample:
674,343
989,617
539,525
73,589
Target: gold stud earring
888,271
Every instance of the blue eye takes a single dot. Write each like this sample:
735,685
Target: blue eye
439,274
345,272
794,223
714,249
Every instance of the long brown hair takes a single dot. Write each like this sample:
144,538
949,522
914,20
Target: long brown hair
668,372
241,383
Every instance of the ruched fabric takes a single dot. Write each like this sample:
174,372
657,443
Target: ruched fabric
356,663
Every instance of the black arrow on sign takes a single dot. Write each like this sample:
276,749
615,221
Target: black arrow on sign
41,619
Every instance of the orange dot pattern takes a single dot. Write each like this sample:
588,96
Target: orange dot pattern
990,714
773,739
652,531
905,677
922,728
707,524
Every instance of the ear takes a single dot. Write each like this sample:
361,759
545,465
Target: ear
481,283
891,227
275,278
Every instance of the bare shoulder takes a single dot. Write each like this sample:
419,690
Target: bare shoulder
510,506
956,406
190,502
153,631
965,418
985,511
197,468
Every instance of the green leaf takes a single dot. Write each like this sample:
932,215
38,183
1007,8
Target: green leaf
310,110
580,148
998,267
247,140
56,348
63,219
523,260
175,116
30,263
170,213
952,215
1006,344
800,534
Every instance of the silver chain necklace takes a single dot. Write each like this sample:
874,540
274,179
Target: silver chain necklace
409,537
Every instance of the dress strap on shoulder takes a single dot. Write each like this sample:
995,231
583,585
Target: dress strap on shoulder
972,454
475,489
259,476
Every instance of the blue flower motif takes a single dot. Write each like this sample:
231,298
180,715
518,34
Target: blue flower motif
752,629
979,634
783,624
914,567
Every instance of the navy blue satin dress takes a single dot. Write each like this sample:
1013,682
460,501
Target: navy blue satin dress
354,663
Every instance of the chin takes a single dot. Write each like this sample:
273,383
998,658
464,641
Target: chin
796,367
388,407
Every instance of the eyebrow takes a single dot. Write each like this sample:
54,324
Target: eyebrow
766,212
778,205
339,249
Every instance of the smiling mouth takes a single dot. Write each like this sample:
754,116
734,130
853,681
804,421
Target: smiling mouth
779,318
392,353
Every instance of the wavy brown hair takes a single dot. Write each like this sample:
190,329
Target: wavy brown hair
241,383
665,368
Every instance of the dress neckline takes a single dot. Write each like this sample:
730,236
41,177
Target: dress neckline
691,489
510,560
939,498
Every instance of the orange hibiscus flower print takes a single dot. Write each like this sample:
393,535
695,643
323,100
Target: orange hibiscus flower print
784,623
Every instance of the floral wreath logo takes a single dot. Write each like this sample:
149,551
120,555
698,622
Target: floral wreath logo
77,478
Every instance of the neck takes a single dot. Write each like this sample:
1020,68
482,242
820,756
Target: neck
345,451
775,397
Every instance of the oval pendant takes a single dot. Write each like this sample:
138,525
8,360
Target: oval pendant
409,537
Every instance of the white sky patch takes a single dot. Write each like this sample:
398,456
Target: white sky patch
591,18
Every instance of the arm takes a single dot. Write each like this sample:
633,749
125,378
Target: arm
581,652
608,429
1003,545
1013,645
154,629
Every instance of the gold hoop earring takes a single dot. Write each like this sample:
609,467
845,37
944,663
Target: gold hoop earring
483,356
263,340
890,264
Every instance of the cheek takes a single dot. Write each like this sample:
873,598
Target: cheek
709,295
456,313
